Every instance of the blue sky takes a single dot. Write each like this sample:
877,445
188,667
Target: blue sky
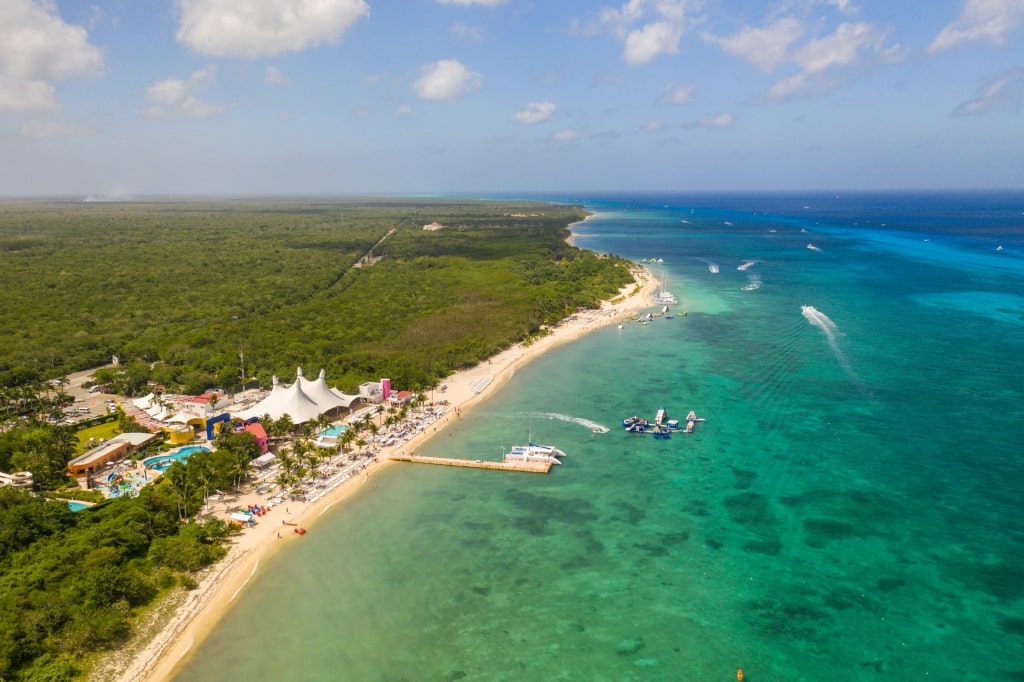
136,97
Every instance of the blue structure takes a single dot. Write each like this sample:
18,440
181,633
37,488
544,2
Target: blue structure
223,417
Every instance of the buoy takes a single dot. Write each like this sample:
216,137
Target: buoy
739,674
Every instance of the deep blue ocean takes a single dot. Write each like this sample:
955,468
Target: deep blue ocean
851,509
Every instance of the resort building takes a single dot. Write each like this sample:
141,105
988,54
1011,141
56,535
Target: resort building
114,450
259,434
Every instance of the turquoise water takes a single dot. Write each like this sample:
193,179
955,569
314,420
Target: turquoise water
849,510
77,506
334,431
171,457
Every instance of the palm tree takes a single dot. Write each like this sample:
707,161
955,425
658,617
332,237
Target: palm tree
347,437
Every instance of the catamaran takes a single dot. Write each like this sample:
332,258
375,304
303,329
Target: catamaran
533,452
664,296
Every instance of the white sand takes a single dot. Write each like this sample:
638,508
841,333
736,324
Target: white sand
199,611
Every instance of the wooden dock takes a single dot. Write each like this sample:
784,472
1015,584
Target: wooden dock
527,467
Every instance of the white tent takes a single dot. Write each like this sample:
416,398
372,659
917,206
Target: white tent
290,400
144,402
303,401
325,396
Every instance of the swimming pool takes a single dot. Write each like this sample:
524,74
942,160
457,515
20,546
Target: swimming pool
77,506
334,431
164,462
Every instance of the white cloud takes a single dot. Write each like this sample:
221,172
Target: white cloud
466,3
653,40
446,79
567,135
26,95
534,112
844,6
1001,92
710,122
765,47
273,76
37,47
775,45
663,25
988,20
260,28
841,48
467,32
677,93
41,129
654,126
403,109
174,98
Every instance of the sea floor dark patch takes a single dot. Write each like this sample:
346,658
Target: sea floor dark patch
890,584
751,510
632,514
767,547
744,478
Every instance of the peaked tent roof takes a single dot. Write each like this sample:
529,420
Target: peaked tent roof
324,395
303,401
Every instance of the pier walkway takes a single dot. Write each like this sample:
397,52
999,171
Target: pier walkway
528,467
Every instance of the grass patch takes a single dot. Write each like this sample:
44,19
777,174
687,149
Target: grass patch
99,432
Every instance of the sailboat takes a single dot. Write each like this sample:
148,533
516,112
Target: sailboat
532,452
664,296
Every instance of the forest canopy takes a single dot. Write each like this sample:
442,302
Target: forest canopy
176,290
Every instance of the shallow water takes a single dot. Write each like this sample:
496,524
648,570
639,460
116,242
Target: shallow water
850,509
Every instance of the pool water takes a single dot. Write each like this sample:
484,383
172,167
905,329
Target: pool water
334,431
77,506
164,462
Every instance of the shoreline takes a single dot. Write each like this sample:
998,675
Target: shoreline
199,611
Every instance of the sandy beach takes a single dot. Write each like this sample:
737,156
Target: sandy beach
195,613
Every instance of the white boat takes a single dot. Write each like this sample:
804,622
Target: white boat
532,452
664,296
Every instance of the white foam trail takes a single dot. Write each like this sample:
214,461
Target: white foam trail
812,247
746,265
831,331
753,282
592,425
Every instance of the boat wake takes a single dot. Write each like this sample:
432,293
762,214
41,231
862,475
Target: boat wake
591,425
831,331
713,268
746,265
812,247
753,282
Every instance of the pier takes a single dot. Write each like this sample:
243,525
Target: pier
531,467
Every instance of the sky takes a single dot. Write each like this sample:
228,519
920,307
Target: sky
127,98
